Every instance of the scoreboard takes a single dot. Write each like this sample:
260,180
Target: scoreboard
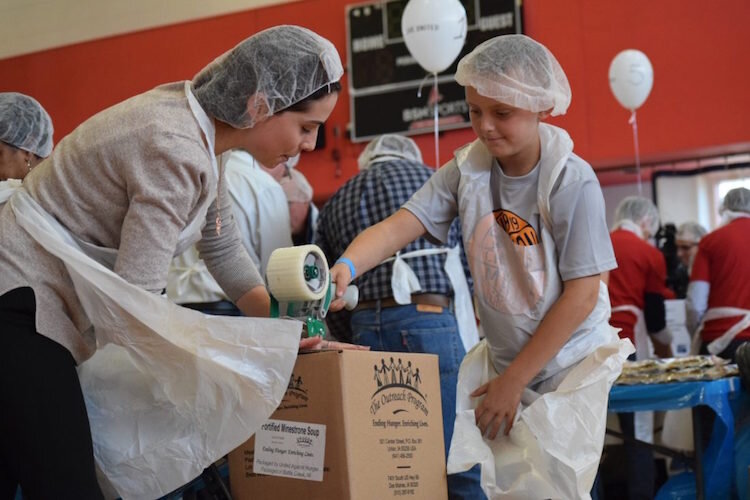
384,78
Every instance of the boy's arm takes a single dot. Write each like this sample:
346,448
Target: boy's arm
373,245
503,393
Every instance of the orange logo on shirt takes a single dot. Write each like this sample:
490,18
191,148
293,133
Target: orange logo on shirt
521,232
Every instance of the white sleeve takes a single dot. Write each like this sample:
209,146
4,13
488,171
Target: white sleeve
697,303
261,212
274,227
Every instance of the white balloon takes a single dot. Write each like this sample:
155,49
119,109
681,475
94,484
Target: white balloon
434,32
631,78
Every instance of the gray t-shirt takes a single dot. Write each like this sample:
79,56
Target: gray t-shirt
579,226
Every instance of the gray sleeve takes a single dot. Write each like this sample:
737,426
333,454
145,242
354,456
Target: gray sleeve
435,204
225,256
580,231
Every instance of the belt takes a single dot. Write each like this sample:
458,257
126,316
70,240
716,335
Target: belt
431,299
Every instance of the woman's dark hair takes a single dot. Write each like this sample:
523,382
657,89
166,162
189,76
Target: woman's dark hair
305,103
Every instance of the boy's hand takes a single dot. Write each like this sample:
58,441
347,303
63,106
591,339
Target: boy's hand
501,398
341,276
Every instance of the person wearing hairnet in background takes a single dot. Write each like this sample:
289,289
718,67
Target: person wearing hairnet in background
637,291
688,236
303,214
261,213
25,139
533,221
133,186
718,302
433,314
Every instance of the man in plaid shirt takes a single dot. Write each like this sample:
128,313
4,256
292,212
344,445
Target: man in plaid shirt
391,171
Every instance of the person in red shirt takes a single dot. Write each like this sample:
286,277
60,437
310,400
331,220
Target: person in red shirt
718,303
637,290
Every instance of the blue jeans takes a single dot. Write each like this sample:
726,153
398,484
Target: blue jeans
405,329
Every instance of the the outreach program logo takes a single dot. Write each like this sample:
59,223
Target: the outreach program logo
397,388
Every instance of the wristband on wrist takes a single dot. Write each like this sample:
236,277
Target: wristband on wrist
350,264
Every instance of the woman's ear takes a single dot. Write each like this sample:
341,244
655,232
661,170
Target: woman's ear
257,107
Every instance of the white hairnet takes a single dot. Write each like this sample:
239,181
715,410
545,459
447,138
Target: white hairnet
389,147
25,124
516,70
281,66
640,210
736,200
690,231
296,187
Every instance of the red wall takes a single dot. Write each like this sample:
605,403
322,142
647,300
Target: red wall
700,52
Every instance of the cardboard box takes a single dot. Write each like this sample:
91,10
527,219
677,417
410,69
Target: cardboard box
352,425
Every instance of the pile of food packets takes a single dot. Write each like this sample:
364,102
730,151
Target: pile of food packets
689,368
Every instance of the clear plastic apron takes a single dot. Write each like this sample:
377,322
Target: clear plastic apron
515,287
404,282
169,390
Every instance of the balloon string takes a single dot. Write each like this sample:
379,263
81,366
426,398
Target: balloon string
419,90
437,123
632,121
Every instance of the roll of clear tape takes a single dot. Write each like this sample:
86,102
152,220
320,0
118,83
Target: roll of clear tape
297,273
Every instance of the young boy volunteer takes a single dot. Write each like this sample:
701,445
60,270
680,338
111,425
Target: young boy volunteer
537,240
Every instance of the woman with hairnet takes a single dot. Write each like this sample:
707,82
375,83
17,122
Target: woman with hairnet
93,230
25,139
637,291
534,228
718,301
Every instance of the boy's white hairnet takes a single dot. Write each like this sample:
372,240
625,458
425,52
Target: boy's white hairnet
281,66
389,147
296,187
25,124
736,200
640,210
690,231
518,71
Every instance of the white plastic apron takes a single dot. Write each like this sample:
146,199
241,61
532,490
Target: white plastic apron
515,287
7,188
169,390
404,282
643,421
718,345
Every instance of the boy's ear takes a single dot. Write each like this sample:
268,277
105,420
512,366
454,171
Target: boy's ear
257,107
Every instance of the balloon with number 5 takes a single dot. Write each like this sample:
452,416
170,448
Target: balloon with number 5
631,78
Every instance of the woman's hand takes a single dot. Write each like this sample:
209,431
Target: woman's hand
502,395
319,344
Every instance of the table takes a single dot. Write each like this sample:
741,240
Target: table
713,466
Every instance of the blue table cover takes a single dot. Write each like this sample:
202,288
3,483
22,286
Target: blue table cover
718,458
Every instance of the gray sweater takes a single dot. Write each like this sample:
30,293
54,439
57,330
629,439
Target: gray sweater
129,178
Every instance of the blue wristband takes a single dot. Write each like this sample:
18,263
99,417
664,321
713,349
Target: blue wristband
352,270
